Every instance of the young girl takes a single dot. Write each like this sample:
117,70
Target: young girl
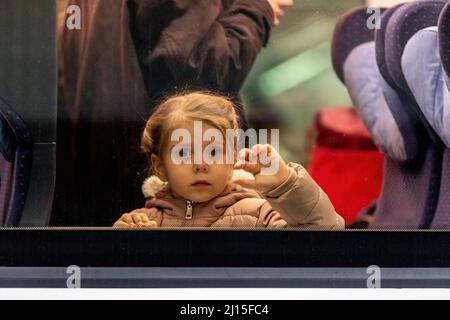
217,194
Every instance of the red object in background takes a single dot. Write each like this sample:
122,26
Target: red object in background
345,162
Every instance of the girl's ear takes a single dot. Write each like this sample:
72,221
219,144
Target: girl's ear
158,168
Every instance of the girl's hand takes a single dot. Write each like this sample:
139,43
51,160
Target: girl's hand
134,220
265,164
276,7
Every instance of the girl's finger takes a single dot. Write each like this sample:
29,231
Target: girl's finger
127,218
253,168
260,148
264,154
121,224
144,218
151,224
251,155
244,154
250,184
137,218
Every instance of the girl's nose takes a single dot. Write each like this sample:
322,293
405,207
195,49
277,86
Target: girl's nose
198,168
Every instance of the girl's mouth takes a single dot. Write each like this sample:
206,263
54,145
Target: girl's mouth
201,183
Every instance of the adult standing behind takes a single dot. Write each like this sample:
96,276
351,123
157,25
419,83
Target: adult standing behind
126,56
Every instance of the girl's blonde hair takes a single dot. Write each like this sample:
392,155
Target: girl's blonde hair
210,108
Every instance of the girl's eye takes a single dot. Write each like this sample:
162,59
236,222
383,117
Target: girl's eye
183,152
216,151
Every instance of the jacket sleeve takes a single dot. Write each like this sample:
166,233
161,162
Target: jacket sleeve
300,202
201,44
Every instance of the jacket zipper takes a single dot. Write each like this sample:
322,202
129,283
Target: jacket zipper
189,209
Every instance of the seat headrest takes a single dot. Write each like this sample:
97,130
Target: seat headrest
7,143
350,31
17,125
380,35
427,81
444,38
387,117
402,25
379,106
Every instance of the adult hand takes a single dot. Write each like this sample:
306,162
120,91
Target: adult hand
277,6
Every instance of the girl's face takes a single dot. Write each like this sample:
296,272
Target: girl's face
196,182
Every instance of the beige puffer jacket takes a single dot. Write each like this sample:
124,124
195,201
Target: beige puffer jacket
298,202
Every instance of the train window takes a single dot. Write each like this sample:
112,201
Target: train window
225,114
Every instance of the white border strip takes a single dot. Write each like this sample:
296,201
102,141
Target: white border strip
224,294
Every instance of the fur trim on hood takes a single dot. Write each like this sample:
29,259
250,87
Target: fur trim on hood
152,185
